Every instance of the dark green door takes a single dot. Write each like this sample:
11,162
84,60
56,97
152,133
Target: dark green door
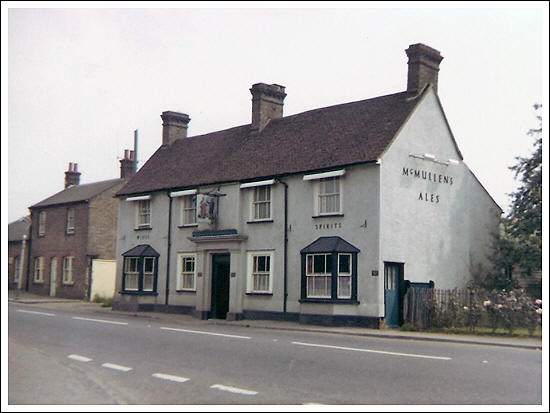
220,286
393,297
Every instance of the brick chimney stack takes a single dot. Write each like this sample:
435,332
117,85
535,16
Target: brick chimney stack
174,126
72,176
423,68
127,168
267,103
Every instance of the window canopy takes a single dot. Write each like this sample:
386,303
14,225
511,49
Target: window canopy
329,244
142,250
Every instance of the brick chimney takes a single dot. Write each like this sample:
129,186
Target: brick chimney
423,67
267,103
72,176
127,168
174,126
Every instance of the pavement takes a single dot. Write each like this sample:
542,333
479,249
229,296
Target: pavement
23,297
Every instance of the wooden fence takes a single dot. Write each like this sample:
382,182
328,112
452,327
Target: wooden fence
426,307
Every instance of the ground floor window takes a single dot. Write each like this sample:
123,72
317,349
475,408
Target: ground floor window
140,268
68,270
329,270
39,269
186,272
17,271
260,272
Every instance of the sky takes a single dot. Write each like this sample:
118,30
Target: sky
77,81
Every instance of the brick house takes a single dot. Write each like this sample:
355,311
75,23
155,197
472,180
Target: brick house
18,241
320,217
70,229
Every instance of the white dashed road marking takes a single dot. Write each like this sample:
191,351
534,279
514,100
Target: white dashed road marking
116,367
36,312
371,351
235,390
79,358
170,377
204,332
100,321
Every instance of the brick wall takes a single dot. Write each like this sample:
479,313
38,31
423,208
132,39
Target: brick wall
102,228
57,243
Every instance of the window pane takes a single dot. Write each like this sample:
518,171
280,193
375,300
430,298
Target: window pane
131,281
318,286
319,264
344,263
344,286
188,281
261,282
148,282
148,265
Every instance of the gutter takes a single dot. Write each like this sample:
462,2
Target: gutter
285,284
169,248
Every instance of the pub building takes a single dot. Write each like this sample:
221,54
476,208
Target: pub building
317,217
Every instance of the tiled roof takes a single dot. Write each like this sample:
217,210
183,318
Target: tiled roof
78,193
319,139
18,228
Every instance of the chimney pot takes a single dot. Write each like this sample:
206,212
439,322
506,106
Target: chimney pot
267,103
127,165
174,126
72,176
423,68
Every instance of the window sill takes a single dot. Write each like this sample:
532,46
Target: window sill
143,228
38,282
69,233
187,291
328,215
328,301
67,283
188,226
139,292
259,221
258,293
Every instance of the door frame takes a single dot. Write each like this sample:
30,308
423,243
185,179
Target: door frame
225,258
53,276
398,303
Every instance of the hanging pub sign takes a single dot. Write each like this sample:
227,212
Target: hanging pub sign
207,208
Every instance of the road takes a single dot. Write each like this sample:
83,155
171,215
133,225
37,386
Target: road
60,356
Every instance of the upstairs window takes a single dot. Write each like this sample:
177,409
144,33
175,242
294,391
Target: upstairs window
261,203
329,196
142,206
327,190
70,221
188,210
259,200
144,213
42,223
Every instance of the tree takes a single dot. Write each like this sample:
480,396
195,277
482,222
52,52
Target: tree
519,244
524,221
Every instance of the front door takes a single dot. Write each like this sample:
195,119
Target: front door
220,286
393,298
53,276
